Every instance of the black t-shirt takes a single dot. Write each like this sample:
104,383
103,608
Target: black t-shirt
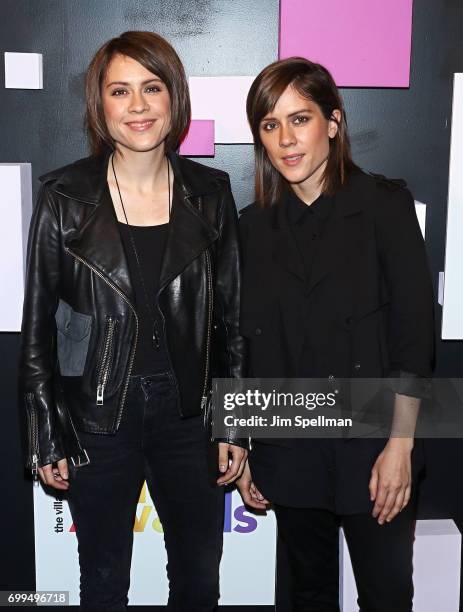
150,357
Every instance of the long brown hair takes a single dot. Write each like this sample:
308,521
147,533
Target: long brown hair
156,55
314,82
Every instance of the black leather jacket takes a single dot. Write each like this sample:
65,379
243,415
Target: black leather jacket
80,327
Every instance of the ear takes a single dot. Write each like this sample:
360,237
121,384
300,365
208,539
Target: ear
333,123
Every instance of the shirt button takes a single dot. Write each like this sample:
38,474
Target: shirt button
258,331
356,366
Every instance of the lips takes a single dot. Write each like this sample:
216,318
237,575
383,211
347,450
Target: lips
140,126
292,160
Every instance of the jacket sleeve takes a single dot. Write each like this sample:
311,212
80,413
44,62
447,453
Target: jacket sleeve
231,345
228,286
404,265
38,334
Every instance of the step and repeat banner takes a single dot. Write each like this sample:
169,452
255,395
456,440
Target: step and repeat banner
248,564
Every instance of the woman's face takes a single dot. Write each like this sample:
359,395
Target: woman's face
296,137
136,105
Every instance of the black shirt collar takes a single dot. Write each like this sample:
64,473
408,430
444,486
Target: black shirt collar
297,210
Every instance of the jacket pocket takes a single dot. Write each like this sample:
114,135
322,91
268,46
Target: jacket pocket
33,451
73,338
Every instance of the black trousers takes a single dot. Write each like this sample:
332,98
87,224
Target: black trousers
155,444
381,558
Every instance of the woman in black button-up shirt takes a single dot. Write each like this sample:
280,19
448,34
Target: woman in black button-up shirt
339,291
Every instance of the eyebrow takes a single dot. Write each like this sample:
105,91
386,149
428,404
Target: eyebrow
298,112
155,79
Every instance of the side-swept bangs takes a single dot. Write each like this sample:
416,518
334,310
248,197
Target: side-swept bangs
156,55
311,81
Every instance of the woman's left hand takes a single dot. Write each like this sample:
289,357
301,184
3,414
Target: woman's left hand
391,480
235,469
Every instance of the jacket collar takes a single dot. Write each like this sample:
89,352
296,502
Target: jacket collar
85,180
346,203
97,241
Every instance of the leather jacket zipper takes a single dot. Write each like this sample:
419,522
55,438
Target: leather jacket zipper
33,435
132,356
209,319
209,326
106,361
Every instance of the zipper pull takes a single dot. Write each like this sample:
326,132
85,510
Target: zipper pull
155,336
99,395
35,470
203,409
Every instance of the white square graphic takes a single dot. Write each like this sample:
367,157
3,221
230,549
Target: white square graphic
421,214
452,319
15,211
436,568
223,99
23,70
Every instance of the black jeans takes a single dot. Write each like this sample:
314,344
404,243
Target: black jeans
155,444
381,558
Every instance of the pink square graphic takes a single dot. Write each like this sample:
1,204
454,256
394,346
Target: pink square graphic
199,139
363,43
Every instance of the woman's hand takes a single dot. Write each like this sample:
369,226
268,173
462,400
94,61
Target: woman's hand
55,476
234,470
249,492
391,480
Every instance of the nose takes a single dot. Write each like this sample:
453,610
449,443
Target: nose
287,136
138,103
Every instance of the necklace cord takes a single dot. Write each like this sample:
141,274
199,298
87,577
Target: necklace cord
155,333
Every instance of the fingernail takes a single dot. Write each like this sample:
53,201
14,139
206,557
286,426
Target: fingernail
223,468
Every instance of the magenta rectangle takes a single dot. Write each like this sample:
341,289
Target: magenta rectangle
363,43
199,139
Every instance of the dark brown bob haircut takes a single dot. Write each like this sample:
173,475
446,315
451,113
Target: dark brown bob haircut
156,55
311,81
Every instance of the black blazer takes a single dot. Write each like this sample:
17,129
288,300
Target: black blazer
370,305
369,296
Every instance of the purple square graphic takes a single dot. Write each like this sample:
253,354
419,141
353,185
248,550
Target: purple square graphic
363,43
199,139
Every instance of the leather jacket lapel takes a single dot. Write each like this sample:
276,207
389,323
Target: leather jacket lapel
98,243
189,235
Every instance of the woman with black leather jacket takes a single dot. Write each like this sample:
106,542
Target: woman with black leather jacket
131,305
336,286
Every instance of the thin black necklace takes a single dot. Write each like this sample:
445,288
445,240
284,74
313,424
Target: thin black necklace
155,333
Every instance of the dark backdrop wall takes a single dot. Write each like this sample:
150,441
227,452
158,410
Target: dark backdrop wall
397,132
